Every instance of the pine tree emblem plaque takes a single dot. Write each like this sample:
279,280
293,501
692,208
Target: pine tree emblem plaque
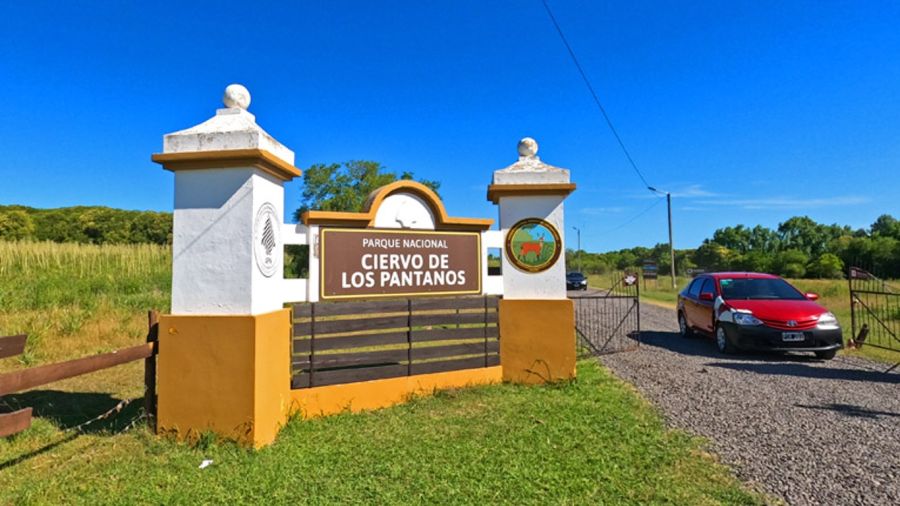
266,239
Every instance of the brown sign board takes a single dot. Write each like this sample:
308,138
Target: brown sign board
649,270
364,263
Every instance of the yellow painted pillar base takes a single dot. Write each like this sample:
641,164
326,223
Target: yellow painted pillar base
537,340
225,374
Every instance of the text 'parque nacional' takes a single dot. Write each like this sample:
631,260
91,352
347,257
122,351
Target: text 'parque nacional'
361,263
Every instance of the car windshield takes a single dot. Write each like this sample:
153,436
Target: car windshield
752,289
575,275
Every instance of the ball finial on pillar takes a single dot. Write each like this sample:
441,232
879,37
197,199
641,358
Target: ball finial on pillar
528,147
236,96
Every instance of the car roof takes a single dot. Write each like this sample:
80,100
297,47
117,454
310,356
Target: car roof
747,275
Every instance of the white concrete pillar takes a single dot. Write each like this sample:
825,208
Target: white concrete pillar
532,189
229,203
537,321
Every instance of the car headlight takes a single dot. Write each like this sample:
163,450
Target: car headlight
584,282
828,321
746,319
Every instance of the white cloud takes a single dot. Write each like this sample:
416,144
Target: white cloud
694,191
698,198
694,197
691,191
786,203
602,210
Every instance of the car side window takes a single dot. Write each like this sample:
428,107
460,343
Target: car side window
708,287
694,290
687,289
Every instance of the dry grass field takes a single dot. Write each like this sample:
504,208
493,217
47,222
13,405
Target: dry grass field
75,300
78,299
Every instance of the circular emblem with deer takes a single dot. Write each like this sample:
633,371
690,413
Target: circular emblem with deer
533,245
266,239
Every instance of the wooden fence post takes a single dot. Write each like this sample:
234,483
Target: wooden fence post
150,369
17,421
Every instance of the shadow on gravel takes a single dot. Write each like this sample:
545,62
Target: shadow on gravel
805,371
850,410
673,341
705,347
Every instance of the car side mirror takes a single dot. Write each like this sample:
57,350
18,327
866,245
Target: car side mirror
812,296
707,297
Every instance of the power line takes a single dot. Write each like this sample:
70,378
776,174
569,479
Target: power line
636,216
594,94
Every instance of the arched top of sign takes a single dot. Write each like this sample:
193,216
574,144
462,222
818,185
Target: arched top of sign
401,204
533,245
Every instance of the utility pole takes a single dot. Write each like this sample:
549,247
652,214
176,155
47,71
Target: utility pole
579,247
671,245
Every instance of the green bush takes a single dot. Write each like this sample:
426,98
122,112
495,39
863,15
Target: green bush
791,263
94,225
828,265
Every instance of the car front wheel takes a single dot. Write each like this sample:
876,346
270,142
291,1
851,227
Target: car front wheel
722,342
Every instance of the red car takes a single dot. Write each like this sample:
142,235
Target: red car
752,311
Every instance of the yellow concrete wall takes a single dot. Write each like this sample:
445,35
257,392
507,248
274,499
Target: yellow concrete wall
231,374
367,395
272,392
227,374
537,340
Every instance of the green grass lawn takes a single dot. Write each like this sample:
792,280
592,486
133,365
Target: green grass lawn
589,441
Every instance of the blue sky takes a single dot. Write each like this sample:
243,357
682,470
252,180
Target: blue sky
748,112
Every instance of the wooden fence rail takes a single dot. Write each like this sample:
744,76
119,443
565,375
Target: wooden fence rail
17,381
344,342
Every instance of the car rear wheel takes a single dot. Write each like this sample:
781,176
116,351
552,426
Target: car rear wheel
722,342
683,327
826,355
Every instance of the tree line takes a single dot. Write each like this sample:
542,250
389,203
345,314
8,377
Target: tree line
799,248
94,225
328,187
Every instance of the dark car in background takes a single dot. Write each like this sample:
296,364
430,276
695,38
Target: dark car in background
576,281
753,311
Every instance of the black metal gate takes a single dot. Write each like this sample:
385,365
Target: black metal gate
874,312
609,320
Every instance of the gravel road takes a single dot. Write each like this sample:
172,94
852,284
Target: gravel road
805,430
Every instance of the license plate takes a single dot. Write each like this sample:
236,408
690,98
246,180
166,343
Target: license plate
792,337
